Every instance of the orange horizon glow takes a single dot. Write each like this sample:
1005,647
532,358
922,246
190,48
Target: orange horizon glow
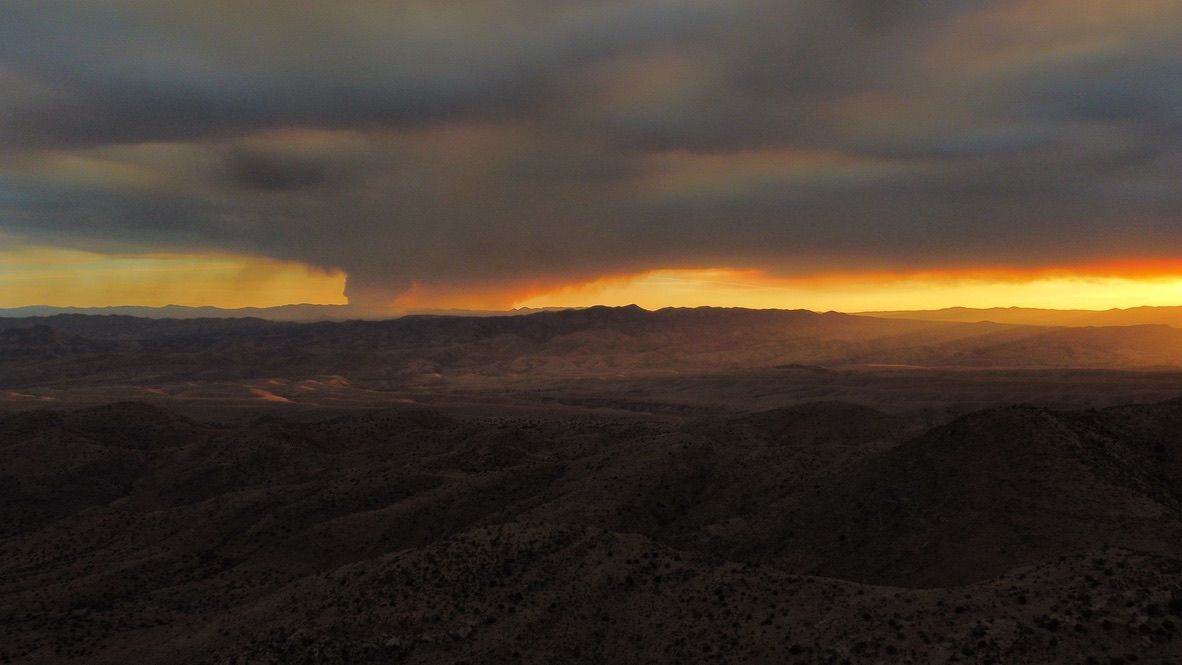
59,277
71,278
1111,285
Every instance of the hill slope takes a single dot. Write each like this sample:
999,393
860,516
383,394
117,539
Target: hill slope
1012,535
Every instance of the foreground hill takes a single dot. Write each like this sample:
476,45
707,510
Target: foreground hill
812,533
975,497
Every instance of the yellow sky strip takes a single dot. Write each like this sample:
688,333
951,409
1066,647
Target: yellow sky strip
60,277
734,288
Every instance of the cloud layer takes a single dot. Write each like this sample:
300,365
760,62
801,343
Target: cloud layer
477,145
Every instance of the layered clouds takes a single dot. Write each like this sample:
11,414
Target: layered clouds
498,146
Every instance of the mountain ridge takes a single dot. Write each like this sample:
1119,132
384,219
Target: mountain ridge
301,312
1150,314
527,349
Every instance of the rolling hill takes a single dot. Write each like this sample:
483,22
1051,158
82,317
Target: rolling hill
812,533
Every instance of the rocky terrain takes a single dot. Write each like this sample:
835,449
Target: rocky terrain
608,359
600,485
823,532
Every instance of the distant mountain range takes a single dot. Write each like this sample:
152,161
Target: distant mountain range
302,312
1027,316
585,343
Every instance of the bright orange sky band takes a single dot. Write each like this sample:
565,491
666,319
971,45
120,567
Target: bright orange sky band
44,276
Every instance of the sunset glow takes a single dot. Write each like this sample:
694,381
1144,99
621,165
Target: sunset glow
43,276
1099,289
422,156
582,331
1103,286
40,276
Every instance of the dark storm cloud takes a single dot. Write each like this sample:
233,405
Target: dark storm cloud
256,169
457,142
133,69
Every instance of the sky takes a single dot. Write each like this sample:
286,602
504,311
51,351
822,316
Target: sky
395,154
